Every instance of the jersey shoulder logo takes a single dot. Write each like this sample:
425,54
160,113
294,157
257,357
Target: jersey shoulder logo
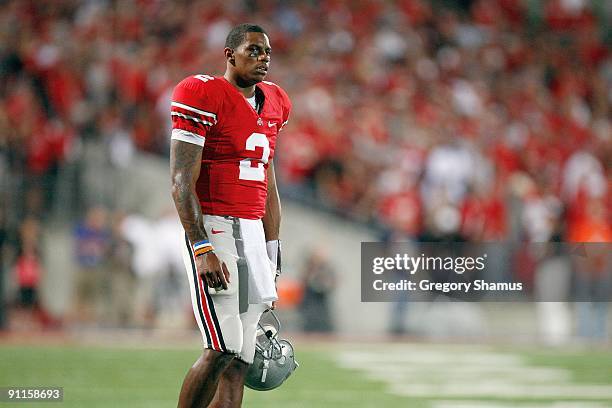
204,78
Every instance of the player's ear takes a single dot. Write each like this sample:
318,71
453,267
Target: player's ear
229,55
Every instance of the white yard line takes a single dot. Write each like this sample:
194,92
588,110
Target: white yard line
432,373
408,374
419,356
481,404
494,389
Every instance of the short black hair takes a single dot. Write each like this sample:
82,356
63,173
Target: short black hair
238,34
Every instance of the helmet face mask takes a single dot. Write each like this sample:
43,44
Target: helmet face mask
274,359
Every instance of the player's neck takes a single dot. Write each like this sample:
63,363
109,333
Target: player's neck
245,89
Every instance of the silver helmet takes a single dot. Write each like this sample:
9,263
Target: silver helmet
274,357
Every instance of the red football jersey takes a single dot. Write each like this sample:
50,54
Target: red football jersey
238,142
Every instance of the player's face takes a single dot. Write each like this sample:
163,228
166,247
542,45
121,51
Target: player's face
252,58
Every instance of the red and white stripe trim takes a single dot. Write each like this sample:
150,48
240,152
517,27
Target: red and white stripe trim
209,323
204,307
192,118
195,110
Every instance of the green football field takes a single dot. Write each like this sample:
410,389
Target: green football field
330,375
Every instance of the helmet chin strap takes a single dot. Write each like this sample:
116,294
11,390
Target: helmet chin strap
264,373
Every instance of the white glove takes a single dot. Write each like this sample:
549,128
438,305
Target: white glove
274,254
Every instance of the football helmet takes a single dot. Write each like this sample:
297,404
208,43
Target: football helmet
274,359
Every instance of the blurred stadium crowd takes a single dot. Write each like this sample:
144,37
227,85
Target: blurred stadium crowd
483,120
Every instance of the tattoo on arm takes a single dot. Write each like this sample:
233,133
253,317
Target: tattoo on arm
185,161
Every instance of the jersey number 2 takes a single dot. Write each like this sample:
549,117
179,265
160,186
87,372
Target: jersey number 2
247,170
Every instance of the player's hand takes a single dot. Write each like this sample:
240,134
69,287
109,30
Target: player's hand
213,271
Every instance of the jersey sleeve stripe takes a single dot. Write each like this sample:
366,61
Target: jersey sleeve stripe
189,117
192,109
189,137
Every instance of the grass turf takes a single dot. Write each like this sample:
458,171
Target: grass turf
118,377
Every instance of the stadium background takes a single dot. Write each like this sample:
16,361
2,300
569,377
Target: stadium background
412,120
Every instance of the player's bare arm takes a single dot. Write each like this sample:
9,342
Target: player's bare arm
185,161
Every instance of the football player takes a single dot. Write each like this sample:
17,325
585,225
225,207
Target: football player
224,132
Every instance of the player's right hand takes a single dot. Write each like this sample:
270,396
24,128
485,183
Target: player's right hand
213,271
